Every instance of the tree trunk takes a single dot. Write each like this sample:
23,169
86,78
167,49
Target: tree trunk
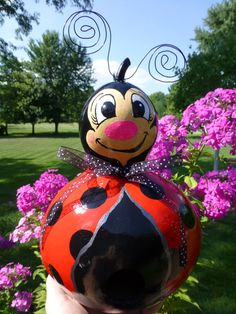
33,128
56,127
216,159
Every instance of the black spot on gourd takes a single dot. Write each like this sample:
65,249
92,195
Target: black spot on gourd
79,240
187,215
93,197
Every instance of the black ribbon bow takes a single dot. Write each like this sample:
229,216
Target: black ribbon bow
102,167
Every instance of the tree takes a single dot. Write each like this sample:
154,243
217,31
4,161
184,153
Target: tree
218,39
16,9
20,92
30,96
200,76
213,64
159,101
65,74
9,65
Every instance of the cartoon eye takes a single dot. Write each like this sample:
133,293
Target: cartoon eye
105,108
140,106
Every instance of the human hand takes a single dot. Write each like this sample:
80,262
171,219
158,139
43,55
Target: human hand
61,301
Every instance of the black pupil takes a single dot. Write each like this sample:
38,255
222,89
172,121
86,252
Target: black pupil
138,108
108,109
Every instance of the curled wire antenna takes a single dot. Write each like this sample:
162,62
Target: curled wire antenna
165,63
91,29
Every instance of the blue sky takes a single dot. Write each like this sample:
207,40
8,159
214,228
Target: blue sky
136,27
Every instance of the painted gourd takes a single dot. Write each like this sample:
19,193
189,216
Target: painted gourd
119,244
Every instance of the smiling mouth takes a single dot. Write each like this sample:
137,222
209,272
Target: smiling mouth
130,150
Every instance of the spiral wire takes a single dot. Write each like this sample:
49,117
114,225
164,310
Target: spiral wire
92,30
168,56
165,63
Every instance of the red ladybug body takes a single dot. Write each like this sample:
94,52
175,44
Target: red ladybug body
120,244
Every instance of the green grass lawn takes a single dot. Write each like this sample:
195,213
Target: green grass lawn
216,293
23,157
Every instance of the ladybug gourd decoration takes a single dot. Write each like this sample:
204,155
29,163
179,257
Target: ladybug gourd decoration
119,236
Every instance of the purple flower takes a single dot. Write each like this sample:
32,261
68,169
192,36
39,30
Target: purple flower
22,301
32,202
47,186
217,191
214,116
171,139
11,273
28,227
26,199
41,193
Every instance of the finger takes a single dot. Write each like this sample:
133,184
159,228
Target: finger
59,301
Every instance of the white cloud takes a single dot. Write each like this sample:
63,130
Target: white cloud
141,78
101,73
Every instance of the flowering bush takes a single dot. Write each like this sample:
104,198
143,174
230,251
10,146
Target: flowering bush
215,117
41,193
33,201
217,191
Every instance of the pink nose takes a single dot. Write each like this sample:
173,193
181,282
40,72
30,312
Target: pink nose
121,130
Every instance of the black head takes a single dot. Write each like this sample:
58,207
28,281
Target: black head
118,122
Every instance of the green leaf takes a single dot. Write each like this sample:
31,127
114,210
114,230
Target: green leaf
204,262
40,272
41,311
190,181
204,219
192,280
37,254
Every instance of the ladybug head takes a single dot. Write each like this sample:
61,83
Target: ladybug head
118,122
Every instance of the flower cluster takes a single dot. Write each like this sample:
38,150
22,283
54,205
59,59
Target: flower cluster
32,202
41,193
171,139
28,227
11,274
215,117
22,301
217,191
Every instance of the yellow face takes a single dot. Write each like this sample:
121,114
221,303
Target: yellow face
122,126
